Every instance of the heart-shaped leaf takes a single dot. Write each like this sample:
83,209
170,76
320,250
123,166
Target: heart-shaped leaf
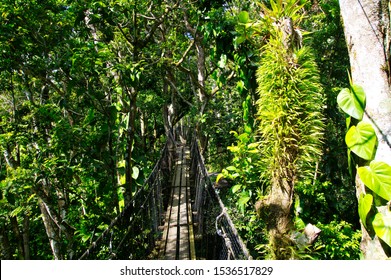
377,177
364,206
362,140
352,101
382,227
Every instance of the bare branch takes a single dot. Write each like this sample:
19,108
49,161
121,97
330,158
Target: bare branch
178,92
185,54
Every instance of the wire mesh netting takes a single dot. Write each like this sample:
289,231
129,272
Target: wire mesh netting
134,232
217,236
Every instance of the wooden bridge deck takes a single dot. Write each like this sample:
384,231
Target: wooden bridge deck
178,236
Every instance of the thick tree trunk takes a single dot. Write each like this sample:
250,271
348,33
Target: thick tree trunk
367,32
278,208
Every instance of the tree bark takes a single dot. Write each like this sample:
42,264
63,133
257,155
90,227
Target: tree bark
6,251
280,219
18,236
26,237
367,32
51,230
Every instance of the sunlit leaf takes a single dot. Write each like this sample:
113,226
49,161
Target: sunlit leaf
236,188
218,178
377,177
233,149
85,238
352,101
243,137
382,226
135,172
253,146
231,168
243,200
31,197
364,206
362,140
244,17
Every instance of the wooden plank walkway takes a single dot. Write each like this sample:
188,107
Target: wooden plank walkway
178,236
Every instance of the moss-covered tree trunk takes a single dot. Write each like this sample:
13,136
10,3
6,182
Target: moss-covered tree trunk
290,122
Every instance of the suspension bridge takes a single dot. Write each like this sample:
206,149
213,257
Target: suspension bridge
176,215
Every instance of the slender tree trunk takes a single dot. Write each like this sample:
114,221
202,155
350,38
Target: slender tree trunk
367,32
6,251
129,146
51,230
26,237
18,236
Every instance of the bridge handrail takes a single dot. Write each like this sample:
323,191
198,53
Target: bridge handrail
232,246
130,210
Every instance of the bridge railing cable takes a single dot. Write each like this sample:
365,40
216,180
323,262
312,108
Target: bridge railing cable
217,236
134,232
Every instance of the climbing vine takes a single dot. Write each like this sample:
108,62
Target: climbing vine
361,140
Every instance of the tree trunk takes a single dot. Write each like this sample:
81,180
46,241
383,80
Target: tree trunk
18,236
367,32
129,145
6,251
278,210
51,230
26,237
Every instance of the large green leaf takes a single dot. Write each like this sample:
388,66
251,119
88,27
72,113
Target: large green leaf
377,177
352,101
362,140
382,226
364,206
244,17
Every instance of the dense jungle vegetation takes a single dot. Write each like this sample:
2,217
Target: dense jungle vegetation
90,89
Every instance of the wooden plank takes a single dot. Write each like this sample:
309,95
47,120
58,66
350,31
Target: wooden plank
179,234
177,176
173,221
171,245
183,207
184,243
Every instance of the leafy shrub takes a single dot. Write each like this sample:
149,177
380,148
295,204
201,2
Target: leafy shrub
337,241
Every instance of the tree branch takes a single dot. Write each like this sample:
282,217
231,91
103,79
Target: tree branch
184,54
178,92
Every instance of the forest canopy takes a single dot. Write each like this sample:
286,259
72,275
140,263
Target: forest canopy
90,92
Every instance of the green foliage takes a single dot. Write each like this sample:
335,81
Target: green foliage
337,241
67,79
364,206
362,140
382,226
291,126
252,231
377,177
243,171
352,101
373,207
